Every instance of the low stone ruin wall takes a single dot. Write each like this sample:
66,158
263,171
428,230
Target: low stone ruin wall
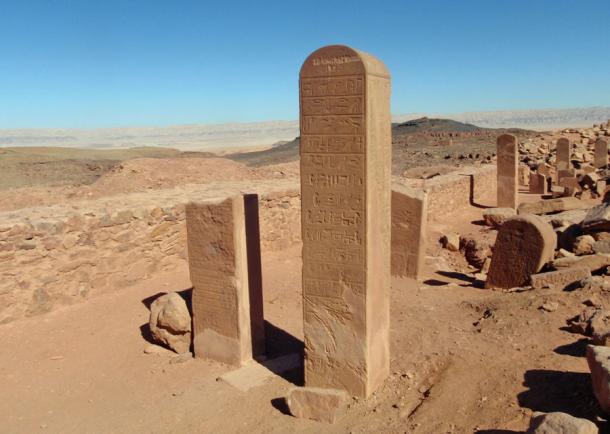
59,255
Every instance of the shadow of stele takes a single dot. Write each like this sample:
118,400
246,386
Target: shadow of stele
575,349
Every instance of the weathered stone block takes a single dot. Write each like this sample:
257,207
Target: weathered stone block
323,405
508,189
559,279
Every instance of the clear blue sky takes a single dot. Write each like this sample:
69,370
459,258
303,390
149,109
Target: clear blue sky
103,63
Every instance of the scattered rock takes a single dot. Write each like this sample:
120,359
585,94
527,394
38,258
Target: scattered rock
560,423
602,246
598,359
598,218
451,241
494,217
549,306
181,358
170,322
583,245
155,349
594,262
476,250
524,244
323,405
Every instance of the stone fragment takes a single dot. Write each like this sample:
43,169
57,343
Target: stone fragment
560,423
601,153
524,244
451,241
583,245
476,249
552,205
598,358
560,279
507,148
595,284
594,262
538,184
494,217
170,322
224,265
345,169
598,218
566,173
409,217
323,405
602,246
599,327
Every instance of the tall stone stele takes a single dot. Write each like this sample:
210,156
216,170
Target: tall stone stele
345,193
563,154
601,153
508,184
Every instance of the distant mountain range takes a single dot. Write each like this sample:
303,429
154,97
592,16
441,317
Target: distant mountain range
239,135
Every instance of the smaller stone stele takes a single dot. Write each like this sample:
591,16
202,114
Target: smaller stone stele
409,215
507,148
601,153
323,405
538,184
524,244
563,154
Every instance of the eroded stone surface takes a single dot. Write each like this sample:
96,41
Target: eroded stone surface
409,216
598,358
218,265
552,205
524,244
563,154
560,423
559,279
601,153
508,188
345,184
323,405
170,322
496,216
538,184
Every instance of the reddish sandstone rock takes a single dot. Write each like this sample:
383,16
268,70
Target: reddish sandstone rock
494,217
524,244
598,359
552,205
559,279
560,423
323,405
170,322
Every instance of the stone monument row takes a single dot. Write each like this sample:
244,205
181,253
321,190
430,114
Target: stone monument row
345,192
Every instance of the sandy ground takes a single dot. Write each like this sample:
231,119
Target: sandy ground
464,359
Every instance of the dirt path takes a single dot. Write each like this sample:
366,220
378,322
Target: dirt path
463,360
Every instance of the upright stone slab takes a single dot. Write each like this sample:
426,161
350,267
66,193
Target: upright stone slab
601,153
409,215
345,194
508,190
523,245
224,264
538,184
563,154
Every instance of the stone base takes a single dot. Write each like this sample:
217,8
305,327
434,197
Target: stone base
323,405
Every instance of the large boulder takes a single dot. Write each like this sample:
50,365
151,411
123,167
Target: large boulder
560,423
170,322
524,245
598,359
494,217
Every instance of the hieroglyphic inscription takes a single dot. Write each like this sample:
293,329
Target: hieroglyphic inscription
345,221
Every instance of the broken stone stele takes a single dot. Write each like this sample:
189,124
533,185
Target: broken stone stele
323,405
538,184
345,214
409,214
508,188
224,264
524,244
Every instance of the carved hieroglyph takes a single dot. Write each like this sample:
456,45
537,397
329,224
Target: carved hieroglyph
224,264
508,190
563,154
345,193
409,215
601,153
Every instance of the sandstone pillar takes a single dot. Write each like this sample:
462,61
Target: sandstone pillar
601,153
563,154
225,269
538,183
409,215
508,152
345,194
